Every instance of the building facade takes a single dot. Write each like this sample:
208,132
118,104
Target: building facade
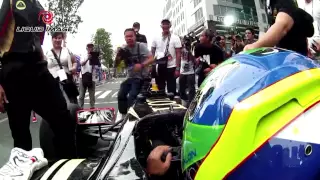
192,16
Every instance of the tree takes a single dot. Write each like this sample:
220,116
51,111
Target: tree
65,14
102,41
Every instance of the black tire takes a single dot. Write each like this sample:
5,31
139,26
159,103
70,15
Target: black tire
46,135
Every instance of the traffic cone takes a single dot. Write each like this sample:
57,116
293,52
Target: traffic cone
154,86
34,118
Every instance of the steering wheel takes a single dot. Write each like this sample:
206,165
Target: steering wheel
176,154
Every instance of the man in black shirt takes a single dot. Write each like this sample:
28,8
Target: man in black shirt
139,37
209,55
290,27
28,85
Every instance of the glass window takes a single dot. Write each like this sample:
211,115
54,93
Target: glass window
264,18
261,4
223,10
216,10
196,2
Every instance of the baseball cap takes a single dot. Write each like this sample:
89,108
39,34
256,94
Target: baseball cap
90,44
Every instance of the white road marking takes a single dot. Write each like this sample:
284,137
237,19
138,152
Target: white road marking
104,95
3,120
98,92
115,95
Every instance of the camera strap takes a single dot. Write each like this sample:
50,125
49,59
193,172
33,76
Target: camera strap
57,58
167,46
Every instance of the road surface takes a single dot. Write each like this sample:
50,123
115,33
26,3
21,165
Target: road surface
106,96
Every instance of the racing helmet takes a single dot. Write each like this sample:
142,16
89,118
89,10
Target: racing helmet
255,117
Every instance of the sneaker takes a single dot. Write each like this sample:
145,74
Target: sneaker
120,116
22,164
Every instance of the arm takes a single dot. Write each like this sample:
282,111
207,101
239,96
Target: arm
149,57
153,48
117,60
178,46
74,62
284,22
84,60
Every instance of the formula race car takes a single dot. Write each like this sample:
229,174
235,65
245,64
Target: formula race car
254,117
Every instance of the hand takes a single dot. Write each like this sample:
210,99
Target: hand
3,99
197,61
207,70
177,73
137,67
154,164
89,56
73,71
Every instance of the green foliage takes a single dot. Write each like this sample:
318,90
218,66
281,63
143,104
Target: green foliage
65,14
102,40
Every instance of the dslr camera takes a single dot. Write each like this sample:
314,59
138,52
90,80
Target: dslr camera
126,56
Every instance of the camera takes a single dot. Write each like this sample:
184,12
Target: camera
126,55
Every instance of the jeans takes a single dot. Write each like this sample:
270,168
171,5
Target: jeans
82,94
129,89
187,82
167,78
30,86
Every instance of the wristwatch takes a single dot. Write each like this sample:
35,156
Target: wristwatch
177,68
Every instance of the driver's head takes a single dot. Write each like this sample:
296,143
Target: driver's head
130,36
136,27
240,107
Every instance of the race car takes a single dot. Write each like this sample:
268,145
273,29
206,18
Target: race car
254,117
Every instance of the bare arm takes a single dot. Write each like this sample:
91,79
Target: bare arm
149,60
277,31
178,57
74,62
153,51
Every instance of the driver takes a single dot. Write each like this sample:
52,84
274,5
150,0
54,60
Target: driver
217,144
291,26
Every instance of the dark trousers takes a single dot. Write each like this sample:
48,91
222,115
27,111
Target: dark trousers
201,78
187,82
129,89
167,77
30,86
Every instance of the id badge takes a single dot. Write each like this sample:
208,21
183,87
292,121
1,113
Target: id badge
62,74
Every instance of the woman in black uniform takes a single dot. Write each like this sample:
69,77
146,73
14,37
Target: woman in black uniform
291,26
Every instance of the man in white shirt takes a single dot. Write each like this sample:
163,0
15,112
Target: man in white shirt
86,76
167,46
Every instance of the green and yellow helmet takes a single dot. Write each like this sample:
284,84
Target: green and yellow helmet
254,117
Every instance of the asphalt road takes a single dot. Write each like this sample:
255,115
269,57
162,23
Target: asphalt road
106,96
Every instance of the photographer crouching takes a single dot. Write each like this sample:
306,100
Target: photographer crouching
136,57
